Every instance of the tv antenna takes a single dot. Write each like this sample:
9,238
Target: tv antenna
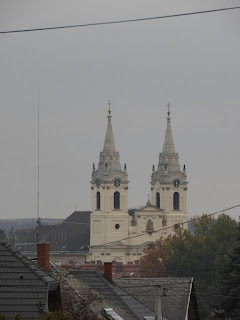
38,170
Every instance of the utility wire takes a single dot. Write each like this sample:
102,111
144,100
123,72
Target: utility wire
162,229
120,21
141,234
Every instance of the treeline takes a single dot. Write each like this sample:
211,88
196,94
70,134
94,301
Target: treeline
13,236
211,255
24,223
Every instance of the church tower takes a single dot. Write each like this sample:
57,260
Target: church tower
109,214
169,182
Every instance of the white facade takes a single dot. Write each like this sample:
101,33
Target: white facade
117,234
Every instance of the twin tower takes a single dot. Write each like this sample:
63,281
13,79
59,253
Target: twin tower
119,234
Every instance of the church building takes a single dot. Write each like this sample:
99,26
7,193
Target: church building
119,234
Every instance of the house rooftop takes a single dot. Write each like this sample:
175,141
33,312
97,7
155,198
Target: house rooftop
24,286
176,294
115,294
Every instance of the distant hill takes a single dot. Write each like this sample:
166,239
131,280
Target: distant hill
17,224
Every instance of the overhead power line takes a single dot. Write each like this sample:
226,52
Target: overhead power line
120,21
165,228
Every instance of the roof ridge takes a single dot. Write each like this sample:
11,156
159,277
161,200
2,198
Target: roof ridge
130,295
34,268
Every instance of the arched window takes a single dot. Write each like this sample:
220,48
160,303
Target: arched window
98,200
176,201
158,200
116,200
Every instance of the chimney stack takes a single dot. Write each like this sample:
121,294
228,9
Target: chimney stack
108,270
43,255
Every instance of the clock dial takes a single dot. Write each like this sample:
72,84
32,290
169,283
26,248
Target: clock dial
97,182
176,183
117,182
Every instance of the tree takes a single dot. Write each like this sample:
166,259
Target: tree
230,288
56,315
201,254
11,236
151,264
17,317
2,235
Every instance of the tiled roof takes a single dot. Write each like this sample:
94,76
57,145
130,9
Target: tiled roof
23,285
73,234
113,293
174,305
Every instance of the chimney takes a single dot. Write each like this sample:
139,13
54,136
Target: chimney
43,255
108,270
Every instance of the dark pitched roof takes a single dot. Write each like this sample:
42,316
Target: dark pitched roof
23,285
28,243
113,293
73,234
174,305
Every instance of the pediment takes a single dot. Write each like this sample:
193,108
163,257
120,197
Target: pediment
150,209
118,245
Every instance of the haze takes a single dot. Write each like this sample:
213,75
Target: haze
191,62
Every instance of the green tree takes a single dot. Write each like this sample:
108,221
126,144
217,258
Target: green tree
201,254
56,315
230,307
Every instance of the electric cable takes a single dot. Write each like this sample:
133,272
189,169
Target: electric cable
120,21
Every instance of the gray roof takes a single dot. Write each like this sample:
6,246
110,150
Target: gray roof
174,305
23,285
73,234
113,293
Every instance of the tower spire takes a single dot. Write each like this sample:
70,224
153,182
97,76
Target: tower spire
168,146
109,161
109,144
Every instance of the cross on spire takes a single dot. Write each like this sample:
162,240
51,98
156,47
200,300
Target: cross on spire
109,107
168,105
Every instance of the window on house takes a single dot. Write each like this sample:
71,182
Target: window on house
176,201
116,200
98,200
158,200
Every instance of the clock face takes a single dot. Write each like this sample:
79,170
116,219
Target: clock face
176,183
117,182
97,182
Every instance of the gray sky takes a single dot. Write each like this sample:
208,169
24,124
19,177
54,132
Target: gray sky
192,62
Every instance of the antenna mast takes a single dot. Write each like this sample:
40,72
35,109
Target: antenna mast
38,167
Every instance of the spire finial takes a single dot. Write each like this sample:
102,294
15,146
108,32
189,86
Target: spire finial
109,108
148,201
168,105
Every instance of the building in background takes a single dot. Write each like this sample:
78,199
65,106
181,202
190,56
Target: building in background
111,232
119,234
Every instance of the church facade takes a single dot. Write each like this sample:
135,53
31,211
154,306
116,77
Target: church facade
119,234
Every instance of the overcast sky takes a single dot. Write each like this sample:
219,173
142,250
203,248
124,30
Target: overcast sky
192,62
